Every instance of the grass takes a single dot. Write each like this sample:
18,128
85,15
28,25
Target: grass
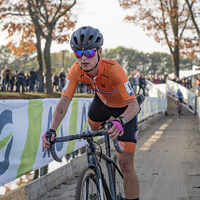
29,95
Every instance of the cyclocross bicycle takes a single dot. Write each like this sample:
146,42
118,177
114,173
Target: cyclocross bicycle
92,183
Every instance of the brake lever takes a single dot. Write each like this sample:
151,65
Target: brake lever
48,138
115,141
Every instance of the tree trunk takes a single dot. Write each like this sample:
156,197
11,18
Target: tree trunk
199,39
47,60
176,59
39,50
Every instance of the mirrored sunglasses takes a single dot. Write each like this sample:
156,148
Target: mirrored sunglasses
89,53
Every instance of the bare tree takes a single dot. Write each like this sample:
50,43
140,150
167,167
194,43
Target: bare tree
194,11
166,20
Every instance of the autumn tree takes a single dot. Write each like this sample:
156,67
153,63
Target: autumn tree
166,20
37,20
194,11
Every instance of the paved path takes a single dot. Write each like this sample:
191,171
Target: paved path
167,161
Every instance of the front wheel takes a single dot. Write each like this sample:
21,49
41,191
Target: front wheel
179,110
87,187
118,181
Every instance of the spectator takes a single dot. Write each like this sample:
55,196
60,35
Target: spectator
190,83
156,80
183,81
136,83
7,76
84,86
178,80
32,80
153,77
186,83
38,80
194,84
141,84
16,81
148,78
44,81
1,78
12,83
174,79
62,77
21,80
67,71
80,87
165,77
161,79
198,83
27,81
132,81
55,80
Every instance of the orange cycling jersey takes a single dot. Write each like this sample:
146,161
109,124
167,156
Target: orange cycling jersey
111,83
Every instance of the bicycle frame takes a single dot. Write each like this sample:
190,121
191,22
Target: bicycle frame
95,165
92,154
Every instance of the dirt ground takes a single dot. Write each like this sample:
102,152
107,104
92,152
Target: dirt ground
167,160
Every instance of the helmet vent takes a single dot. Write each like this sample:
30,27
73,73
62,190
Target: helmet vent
98,39
75,40
90,39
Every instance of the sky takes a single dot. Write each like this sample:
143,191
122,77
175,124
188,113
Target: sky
107,16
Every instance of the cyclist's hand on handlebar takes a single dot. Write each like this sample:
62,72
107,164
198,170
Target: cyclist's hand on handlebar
116,129
45,143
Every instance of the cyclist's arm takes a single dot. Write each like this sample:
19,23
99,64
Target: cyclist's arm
132,110
58,115
129,113
60,111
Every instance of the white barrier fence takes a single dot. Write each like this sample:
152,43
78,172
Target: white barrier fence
198,110
189,97
23,122
156,90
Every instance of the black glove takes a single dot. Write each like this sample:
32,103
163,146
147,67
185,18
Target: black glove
49,133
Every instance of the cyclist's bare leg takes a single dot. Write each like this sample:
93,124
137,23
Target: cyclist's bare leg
181,107
93,128
176,101
131,183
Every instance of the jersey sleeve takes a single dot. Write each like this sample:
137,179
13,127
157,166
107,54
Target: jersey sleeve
71,81
120,80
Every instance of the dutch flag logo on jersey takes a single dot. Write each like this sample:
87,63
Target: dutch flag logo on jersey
129,88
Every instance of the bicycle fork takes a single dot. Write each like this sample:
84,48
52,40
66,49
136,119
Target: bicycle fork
93,163
103,187
92,160
100,182
98,172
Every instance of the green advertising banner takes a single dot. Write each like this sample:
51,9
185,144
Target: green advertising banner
23,122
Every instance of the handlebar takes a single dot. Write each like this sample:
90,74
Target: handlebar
84,136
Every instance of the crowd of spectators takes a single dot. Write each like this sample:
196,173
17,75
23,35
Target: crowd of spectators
21,82
139,82
35,81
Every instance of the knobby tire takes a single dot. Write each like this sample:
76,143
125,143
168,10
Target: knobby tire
179,110
87,187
